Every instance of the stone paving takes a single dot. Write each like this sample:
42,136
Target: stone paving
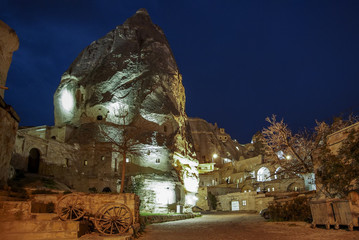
241,226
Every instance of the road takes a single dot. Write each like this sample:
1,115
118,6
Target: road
240,226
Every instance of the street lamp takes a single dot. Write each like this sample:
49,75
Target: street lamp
214,156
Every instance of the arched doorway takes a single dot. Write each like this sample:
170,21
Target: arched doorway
33,161
106,190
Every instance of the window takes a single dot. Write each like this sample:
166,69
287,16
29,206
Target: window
67,162
102,158
99,117
263,174
128,160
244,203
157,160
85,163
165,128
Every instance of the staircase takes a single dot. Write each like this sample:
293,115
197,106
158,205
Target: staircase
35,229
18,223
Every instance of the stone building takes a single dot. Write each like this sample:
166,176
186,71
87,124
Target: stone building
9,120
122,99
335,139
229,170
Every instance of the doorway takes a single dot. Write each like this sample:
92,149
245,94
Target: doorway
34,161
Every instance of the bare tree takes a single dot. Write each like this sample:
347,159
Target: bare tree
293,152
298,153
124,139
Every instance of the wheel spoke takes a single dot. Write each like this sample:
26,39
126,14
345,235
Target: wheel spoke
113,219
119,231
74,211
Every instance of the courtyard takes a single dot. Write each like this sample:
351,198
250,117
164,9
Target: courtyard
241,226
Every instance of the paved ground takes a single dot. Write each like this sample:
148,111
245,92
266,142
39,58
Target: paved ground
243,227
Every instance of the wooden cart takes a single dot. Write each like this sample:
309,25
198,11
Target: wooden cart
112,214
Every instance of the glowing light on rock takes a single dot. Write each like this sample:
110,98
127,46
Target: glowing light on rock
191,199
191,184
67,100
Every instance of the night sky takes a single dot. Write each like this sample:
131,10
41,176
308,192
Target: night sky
241,61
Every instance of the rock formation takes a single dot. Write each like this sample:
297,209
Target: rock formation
9,43
209,139
127,80
9,120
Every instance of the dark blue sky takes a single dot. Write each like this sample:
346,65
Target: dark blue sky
241,61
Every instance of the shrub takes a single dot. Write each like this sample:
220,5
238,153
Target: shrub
294,210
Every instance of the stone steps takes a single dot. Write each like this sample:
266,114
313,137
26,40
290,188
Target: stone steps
39,236
44,216
39,230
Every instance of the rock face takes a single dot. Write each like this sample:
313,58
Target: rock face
129,80
129,72
9,42
209,139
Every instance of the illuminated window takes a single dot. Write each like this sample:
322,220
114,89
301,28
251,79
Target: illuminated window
263,174
158,160
273,189
85,163
127,160
244,203
102,158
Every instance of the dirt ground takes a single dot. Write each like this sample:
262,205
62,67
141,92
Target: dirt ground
243,227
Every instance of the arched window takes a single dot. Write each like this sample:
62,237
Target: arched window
279,174
263,174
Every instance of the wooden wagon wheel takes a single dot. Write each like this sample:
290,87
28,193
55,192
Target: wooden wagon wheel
113,219
70,207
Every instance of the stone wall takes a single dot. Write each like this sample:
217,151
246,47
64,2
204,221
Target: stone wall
249,201
335,139
9,122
